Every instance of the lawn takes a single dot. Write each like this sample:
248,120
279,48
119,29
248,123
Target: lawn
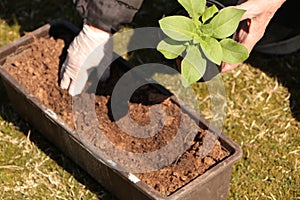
263,117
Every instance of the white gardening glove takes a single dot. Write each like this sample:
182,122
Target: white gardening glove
87,50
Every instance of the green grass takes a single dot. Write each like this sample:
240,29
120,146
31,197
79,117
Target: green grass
260,120
32,169
8,33
262,117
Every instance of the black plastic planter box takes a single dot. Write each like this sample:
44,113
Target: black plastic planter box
213,184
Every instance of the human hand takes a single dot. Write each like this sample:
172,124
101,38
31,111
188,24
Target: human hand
253,24
85,52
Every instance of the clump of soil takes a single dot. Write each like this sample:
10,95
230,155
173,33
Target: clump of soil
36,66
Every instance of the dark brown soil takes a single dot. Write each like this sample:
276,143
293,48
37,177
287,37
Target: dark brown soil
36,67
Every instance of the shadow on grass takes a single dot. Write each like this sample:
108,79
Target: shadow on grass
286,69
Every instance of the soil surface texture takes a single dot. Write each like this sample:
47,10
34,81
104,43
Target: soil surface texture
36,66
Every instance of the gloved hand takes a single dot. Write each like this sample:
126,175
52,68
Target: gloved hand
86,51
256,18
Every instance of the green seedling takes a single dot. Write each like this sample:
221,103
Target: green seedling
204,34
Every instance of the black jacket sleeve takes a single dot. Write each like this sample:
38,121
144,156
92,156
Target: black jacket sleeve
108,15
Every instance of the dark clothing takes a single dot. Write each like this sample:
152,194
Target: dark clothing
108,15
111,15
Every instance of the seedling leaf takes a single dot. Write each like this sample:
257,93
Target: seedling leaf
212,49
195,8
179,28
206,29
233,52
225,23
193,66
209,13
170,48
